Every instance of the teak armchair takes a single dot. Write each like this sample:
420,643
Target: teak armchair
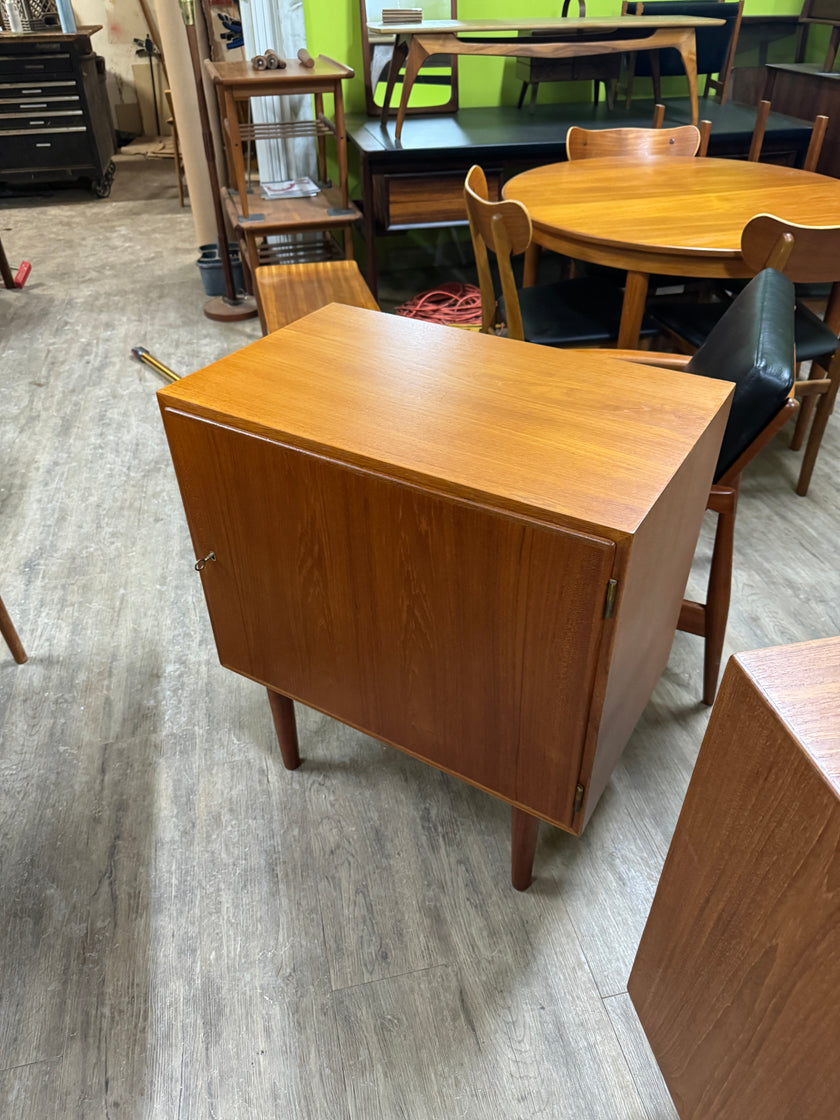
582,311
752,346
806,254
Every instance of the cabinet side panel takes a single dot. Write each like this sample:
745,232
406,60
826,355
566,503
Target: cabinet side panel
737,978
424,621
651,591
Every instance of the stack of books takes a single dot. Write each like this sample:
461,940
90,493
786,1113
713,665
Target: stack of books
402,15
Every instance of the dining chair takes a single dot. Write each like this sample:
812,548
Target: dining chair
581,311
635,143
752,345
812,156
286,292
715,46
807,255
8,631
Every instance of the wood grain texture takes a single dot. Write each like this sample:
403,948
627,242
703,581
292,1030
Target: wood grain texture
289,291
687,222
359,596
266,910
738,971
439,426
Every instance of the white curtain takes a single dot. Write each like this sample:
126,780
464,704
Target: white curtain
278,25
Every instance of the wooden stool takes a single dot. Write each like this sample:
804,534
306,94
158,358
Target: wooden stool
286,292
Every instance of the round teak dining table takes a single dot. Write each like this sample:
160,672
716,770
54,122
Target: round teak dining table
674,215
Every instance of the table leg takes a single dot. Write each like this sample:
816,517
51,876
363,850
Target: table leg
283,713
231,124
417,55
523,845
8,631
397,60
687,47
632,310
531,265
5,270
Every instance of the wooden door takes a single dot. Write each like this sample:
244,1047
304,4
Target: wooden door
464,636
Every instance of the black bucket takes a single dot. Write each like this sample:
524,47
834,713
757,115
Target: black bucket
210,267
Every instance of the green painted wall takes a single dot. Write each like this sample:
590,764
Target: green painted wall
332,28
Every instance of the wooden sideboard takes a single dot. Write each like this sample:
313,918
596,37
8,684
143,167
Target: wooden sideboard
471,548
737,978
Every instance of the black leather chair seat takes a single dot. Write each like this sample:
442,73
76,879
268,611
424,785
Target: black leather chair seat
695,321
578,312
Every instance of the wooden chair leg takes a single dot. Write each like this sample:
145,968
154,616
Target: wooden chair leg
10,634
825,406
718,596
524,831
803,419
283,713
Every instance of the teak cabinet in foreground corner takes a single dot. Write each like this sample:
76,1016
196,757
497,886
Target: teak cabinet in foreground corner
471,548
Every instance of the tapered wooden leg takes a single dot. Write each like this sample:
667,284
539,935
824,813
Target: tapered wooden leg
10,634
283,713
523,845
632,310
824,408
719,594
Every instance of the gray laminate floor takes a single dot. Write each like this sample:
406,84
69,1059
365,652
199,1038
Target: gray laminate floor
186,929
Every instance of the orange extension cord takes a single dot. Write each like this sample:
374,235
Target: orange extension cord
453,304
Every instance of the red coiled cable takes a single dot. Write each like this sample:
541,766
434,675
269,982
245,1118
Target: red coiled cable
451,303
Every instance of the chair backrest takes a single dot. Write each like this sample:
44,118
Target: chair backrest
505,229
715,45
640,143
806,254
752,345
812,156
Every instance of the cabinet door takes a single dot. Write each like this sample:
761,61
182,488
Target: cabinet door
465,636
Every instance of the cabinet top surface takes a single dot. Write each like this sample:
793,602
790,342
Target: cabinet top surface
802,683
48,36
576,438
560,25
244,74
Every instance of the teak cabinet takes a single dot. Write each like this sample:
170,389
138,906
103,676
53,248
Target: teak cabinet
471,548
737,978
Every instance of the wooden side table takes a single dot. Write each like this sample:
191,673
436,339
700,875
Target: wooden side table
737,978
329,210
471,548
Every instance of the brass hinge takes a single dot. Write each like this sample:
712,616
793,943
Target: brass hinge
609,601
579,792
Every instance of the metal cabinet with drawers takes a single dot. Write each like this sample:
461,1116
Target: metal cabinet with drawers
55,120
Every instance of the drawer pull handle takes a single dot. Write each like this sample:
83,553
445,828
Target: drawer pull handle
36,122
43,145
34,105
38,90
200,565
